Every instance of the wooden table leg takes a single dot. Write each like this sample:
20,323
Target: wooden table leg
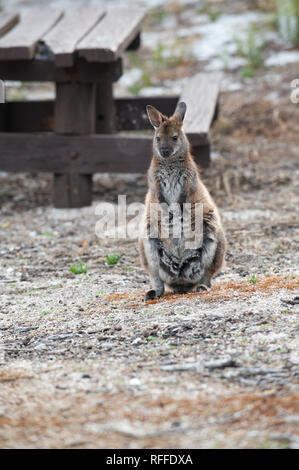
74,113
105,108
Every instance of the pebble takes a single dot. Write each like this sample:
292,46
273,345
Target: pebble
135,382
220,364
41,346
107,346
136,341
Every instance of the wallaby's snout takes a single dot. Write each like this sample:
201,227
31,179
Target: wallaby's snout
165,151
169,139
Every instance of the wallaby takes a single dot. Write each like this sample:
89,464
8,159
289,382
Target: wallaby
174,180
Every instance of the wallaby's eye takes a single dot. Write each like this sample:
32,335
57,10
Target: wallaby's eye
158,139
175,138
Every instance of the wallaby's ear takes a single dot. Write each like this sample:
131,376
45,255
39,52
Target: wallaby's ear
180,111
155,117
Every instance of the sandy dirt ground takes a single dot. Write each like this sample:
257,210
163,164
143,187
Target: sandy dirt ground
86,363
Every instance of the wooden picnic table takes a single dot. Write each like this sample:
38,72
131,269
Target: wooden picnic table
81,131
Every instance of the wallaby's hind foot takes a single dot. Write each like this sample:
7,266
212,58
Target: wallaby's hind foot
203,288
157,288
152,294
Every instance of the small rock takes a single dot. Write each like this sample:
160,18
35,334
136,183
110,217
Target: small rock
294,358
137,341
292,419
102,337
220,364
40,346
179,367
107,346
135,382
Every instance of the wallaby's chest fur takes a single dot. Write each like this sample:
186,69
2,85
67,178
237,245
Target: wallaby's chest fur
170,183
174,182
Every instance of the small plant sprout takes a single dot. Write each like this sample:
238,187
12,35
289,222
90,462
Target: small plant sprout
247,72
253,279
78,268
251,46
214,15
48,234
288,20
112,259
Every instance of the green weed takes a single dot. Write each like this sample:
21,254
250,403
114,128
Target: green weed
253,279
112,259
78,268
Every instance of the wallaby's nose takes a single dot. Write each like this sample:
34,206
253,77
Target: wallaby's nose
165,151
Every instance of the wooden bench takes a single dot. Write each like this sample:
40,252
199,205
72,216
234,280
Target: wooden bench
80,132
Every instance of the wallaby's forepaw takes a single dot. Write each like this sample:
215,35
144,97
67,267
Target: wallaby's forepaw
150,295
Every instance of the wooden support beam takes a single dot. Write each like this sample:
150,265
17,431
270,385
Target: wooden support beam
72,190
74,108
105,108
201,154
74,113
46,71
27,116
130,113
85,154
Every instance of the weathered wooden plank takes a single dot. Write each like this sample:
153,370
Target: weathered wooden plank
107,41
86,154
7,22
46,71
200,95
130,113
20,42
14,116
77,154
71,29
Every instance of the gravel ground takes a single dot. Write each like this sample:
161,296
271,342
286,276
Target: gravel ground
86,363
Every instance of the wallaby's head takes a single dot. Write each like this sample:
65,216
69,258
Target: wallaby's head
169,140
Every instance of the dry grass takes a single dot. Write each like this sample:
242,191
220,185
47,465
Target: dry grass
219,292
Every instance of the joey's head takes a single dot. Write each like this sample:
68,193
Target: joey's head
170,141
